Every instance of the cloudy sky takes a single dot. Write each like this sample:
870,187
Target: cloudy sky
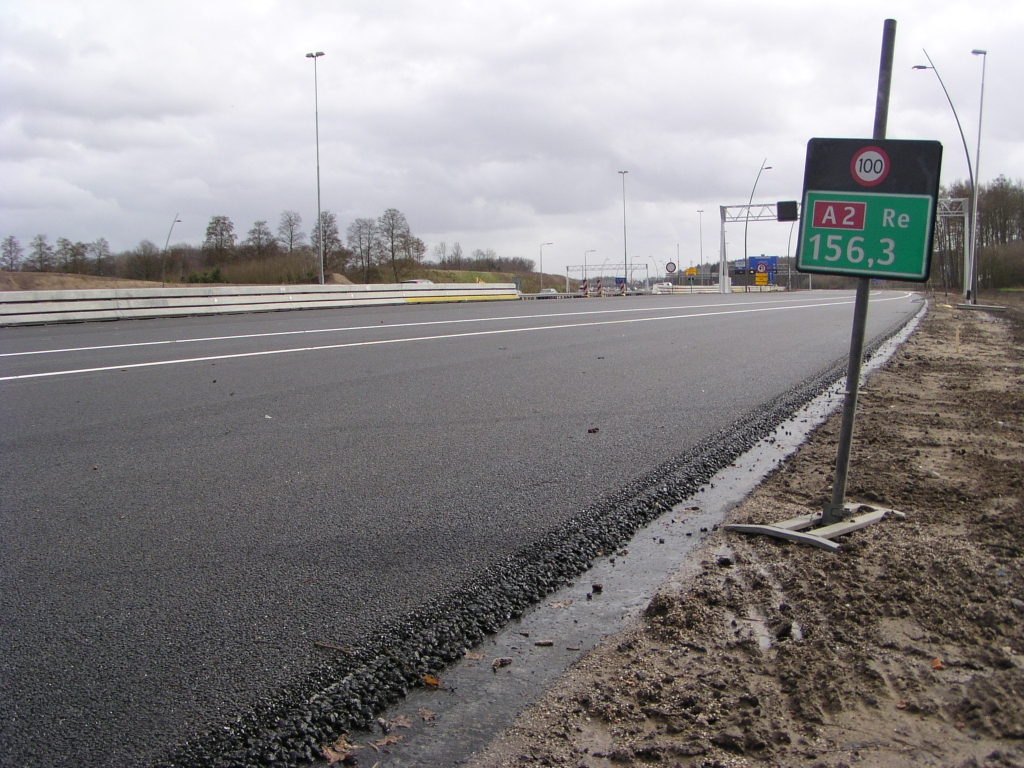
495,124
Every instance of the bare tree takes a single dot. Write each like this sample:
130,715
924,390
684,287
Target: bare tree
99,250
334,254
40,257
219,245
62,254
11,253
392,230
260,242
70,256
289,231
361,236
413,248
80,257
1000,212
143,262
456,258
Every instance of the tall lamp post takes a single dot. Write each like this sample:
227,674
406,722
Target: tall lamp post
746,224
975,228
316,114
969,236
625,253
542,264
167,242
592,250
700,229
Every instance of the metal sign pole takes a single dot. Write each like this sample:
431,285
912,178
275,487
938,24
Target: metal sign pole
835,510
827,188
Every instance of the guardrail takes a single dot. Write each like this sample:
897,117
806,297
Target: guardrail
41,307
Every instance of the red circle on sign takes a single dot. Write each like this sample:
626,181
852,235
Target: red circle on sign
670,267
870,166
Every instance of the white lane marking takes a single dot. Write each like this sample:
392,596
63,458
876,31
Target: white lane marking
345,329
380,342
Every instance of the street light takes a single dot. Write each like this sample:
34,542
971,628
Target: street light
746,224
542,264
975,229
700,230
316,114
970,171
625,255
167,242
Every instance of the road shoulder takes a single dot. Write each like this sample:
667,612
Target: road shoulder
903,649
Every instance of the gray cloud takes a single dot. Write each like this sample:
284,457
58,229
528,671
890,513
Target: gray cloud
500,124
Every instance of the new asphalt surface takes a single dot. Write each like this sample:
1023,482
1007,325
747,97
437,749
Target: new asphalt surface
194,511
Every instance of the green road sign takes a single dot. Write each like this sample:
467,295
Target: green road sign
865,234
869,208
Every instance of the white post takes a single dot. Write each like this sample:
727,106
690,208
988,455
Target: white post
723,261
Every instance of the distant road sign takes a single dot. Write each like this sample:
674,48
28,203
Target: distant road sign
869,208
670,267
787,210
692,271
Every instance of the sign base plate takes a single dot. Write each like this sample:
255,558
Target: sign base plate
796,529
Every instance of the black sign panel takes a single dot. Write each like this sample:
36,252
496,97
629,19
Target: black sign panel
787,210
869,208
848,165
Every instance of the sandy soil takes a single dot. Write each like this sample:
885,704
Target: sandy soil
904,649
60,281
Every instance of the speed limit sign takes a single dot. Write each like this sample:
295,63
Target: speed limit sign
870,166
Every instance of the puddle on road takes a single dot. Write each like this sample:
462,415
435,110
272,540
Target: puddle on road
475,702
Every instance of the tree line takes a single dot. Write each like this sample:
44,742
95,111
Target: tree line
373,250
1000,237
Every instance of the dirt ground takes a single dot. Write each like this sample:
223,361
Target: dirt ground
60,281
904,649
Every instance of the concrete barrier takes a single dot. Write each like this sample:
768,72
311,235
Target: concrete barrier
683,289
40,307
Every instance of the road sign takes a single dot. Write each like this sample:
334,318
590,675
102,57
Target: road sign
692,271
670,267
764,269
869,208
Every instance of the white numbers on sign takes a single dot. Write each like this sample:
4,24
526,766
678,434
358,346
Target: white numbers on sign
854,250
870,166
834,245
888,251
854,253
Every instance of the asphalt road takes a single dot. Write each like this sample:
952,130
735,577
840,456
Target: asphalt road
189,505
